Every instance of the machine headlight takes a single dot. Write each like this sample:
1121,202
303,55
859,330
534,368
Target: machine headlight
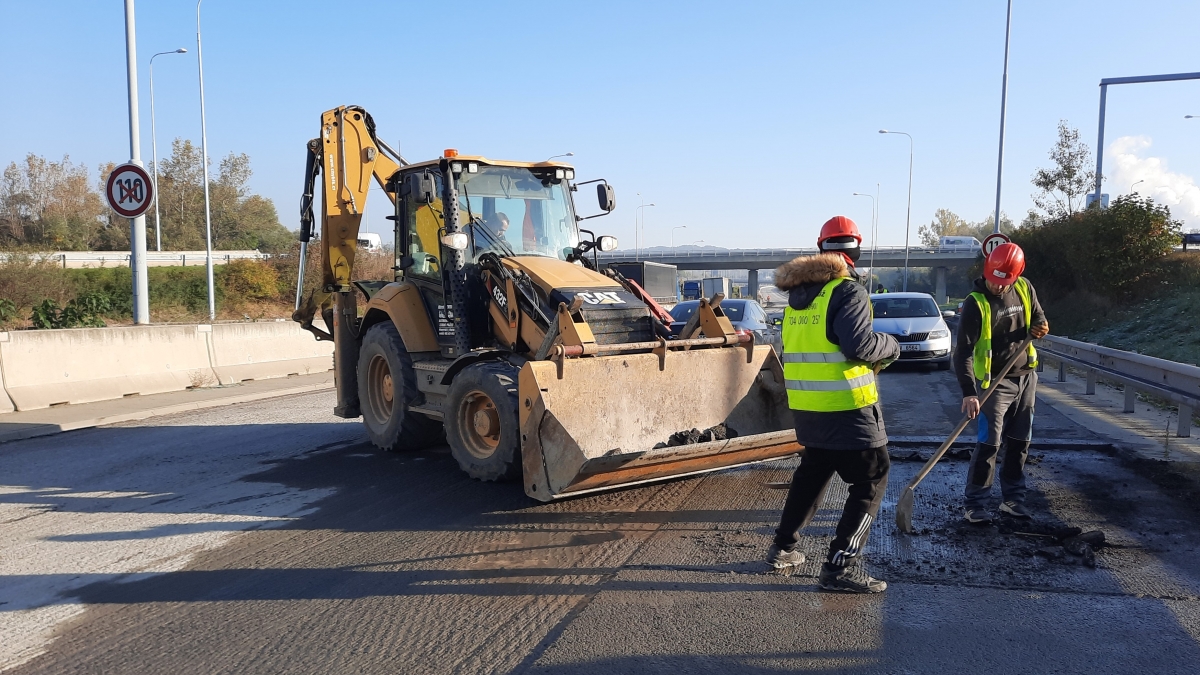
939,333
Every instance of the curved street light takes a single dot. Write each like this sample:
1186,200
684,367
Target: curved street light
677,227
637,213
870,279
154,146
565,154
908,218
208,263
1135,185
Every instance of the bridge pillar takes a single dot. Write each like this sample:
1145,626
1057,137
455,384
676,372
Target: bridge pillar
939,285
752,284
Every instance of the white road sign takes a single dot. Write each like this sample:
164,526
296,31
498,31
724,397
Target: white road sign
130,191
993,240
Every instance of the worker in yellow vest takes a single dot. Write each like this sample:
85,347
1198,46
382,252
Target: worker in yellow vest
831,356
996,318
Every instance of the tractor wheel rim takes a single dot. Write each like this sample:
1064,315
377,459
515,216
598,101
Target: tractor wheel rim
480,423
380,391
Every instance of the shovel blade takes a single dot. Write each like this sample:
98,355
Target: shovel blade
904,510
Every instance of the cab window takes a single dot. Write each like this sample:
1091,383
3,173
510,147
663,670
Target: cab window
423,222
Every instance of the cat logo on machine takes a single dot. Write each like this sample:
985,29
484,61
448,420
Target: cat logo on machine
601,298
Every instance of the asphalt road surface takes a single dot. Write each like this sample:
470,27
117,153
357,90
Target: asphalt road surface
270,538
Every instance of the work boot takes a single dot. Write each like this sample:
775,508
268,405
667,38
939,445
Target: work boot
1016,510
849,579
782,559
978,516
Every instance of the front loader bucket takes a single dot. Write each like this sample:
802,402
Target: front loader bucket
594,423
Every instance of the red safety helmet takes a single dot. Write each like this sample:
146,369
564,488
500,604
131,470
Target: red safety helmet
1004,264
838,226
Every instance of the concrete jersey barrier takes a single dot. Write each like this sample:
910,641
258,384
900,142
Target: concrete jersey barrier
44,368
253,351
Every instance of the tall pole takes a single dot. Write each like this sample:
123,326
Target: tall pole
137,226
208,263
1003,103
1100,145
870,279
677,227
874,238
154,146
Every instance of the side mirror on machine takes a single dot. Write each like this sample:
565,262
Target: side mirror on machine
606,243
419,186
607,197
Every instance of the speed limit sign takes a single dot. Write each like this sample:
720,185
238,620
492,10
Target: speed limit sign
130,191
993,240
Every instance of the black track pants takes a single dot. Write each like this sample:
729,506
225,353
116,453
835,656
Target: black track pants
865,471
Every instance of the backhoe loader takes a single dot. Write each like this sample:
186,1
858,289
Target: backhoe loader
509,342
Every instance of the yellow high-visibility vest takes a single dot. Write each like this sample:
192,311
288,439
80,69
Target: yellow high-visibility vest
983,347
818,376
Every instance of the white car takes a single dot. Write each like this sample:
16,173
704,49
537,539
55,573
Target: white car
917,324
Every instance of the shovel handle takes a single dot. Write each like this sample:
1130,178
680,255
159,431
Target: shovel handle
962,424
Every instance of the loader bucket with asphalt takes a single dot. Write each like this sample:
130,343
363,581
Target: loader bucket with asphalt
600,422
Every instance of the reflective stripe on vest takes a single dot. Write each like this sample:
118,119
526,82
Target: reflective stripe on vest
983,347
818,376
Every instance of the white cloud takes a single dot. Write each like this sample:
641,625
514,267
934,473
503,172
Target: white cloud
1127,165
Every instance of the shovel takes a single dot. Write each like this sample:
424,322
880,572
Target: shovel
904,507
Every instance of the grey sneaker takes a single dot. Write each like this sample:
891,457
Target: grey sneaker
850,579
781,559
978,516
1016,510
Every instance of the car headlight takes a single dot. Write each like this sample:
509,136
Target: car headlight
939,333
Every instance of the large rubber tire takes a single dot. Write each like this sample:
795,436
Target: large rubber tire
387,386
482,421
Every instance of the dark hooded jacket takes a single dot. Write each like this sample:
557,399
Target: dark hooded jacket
850,328
1008,332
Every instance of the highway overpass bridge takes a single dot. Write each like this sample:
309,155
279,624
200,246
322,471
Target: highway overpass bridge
754,259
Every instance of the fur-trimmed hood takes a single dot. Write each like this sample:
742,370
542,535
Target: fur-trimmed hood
811,269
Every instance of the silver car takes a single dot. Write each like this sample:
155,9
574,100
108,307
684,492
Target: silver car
916,322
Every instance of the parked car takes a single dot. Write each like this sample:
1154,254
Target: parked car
917,324
744,314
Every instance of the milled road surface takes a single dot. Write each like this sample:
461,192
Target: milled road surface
270,538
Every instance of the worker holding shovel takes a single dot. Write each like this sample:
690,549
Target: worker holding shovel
997,318
830,359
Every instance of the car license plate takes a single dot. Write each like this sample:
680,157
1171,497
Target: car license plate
910,348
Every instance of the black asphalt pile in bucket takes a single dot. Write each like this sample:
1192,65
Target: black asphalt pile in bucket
719,432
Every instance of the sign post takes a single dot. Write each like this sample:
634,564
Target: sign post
137,223
992,241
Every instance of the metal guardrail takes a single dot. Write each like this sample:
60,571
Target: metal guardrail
1176,382
74,259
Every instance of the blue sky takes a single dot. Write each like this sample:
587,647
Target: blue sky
750,123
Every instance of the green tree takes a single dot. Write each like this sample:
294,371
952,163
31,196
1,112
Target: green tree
1062,188
1109,252
946,223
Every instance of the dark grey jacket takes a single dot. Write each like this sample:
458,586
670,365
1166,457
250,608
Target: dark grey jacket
850,328
1008,332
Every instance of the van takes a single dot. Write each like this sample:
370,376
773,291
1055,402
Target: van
959,242
370,241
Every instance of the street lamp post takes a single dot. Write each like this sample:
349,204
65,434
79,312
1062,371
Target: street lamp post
1003,103
871,279
908,218
677,227
137,224
638,214
208,263
565,154
1135,185
154,146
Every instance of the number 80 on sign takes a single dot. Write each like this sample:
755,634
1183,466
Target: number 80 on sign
130,192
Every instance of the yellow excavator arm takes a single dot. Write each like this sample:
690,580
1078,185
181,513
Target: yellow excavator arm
349,156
